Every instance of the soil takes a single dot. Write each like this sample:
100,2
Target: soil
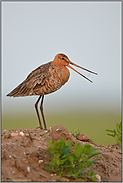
24,155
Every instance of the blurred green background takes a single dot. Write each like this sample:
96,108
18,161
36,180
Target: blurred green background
92,124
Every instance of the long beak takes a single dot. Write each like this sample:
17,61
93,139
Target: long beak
81,68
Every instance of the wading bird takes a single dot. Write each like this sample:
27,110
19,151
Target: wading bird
46,79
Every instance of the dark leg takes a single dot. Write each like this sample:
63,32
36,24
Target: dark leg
41,108
36,107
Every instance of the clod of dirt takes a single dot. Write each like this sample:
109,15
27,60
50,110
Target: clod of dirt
57,132
24,157
82,137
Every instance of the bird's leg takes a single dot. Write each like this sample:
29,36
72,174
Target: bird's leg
36,107
41,108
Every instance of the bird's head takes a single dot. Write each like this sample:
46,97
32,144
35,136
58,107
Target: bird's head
63,60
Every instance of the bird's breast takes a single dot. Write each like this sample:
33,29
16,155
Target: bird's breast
59,76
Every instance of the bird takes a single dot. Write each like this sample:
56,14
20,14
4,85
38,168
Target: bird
46,79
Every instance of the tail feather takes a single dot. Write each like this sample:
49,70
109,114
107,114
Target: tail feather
20,90
24,91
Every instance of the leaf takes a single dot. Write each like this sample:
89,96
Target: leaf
52,163
47,168
78,150
87,149
58,178
68,142
66,151
94,154
93,150
70,158
63,161
111,135
110,131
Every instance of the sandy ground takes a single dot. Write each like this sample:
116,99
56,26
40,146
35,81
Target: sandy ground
22,155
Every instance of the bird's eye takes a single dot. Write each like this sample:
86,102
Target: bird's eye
63,58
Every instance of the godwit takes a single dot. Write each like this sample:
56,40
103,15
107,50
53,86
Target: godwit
46,79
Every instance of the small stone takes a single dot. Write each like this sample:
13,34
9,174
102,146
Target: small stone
25,161
14,134
28,169
40,161
98,177
82,137
14,156
21,133
27,135
65,179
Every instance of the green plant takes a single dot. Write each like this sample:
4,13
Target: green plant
75,133
116,133
72,165
58,151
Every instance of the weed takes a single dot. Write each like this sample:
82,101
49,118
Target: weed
75,133
71,165
116,133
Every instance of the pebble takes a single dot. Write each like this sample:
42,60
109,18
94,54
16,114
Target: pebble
21,133
25,161
14,134
40,161
28,169
98,177
82,137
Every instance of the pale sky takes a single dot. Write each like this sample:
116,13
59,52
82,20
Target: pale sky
89,33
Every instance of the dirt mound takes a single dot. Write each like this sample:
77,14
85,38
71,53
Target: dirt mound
24,154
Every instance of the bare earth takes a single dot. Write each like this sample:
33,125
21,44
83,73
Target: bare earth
22,155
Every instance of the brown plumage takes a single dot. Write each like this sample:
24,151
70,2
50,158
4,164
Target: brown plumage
46,79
